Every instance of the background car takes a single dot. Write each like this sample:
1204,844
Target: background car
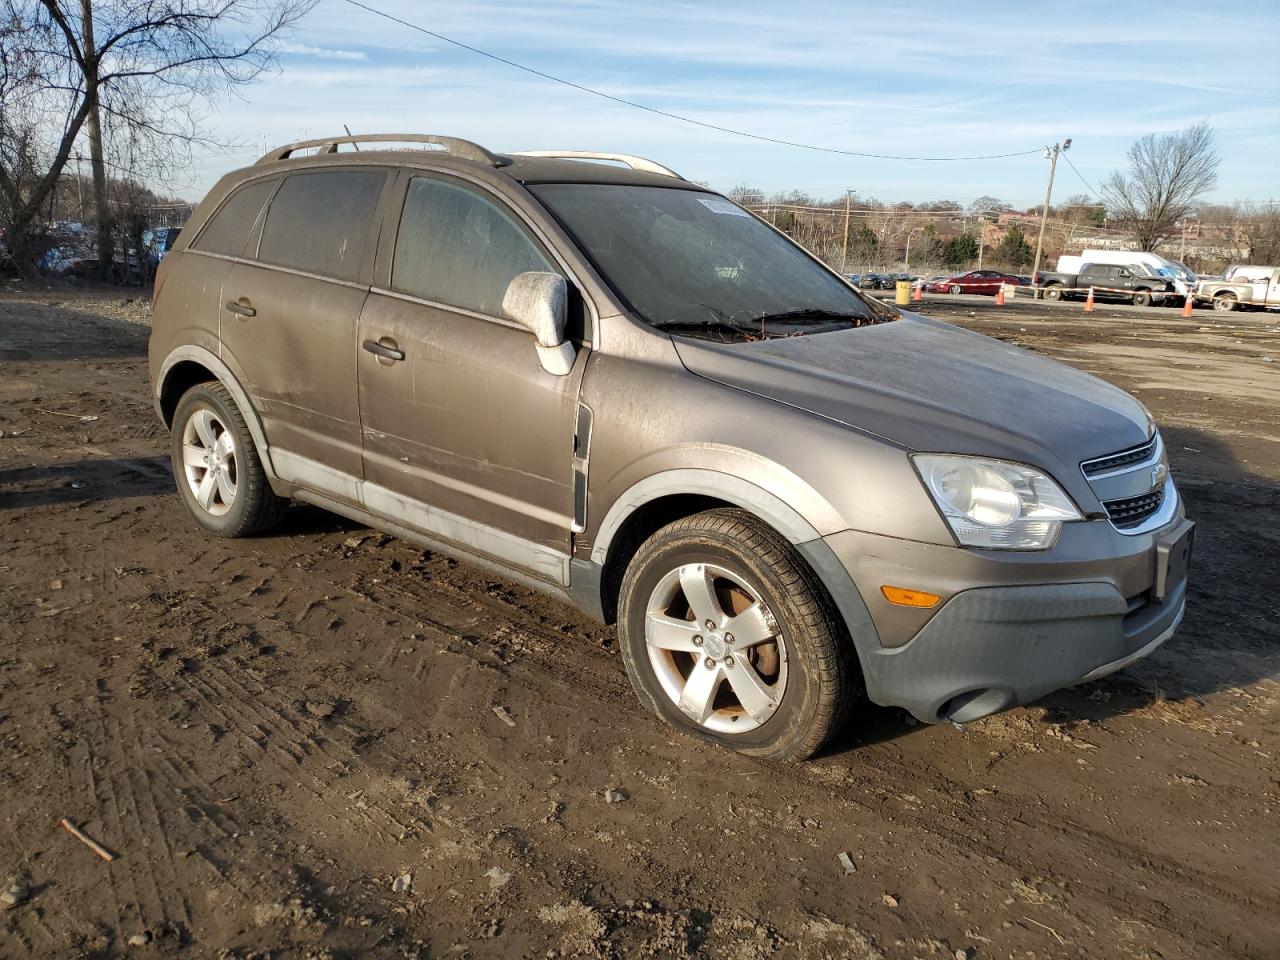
976,281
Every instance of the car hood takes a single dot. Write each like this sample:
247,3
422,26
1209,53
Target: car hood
926,385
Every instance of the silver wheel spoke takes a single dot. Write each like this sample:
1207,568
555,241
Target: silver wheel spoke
750,690
203,421
208,484
668,633
683,604
226,489
699,693
695,581
193,455
224,446
751,627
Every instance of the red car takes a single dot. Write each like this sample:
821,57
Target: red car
976,281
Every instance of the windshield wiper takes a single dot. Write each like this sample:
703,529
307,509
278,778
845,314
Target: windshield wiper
806,315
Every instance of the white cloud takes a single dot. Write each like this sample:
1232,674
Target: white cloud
321,53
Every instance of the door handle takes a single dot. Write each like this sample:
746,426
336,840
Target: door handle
241,308
383,350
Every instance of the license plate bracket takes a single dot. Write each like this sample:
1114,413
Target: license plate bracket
1173,558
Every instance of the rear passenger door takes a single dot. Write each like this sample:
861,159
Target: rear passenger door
465,434
290,310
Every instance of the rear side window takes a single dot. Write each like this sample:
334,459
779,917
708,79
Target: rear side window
456,247
228,229
319,222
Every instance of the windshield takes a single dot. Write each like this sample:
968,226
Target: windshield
693,261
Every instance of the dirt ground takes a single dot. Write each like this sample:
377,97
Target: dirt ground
329,743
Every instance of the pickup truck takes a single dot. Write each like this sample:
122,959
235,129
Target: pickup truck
1241,287
1110,282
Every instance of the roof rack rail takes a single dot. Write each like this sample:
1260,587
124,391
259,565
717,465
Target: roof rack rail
635,163
459,148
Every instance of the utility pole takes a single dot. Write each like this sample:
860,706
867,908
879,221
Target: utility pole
94,125
844,256
1051,154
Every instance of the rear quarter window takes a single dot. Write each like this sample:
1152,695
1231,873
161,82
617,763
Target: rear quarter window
228,229
319,221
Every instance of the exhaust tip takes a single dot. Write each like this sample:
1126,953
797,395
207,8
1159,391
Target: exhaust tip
976,704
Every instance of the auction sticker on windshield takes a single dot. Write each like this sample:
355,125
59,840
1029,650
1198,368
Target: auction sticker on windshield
722,206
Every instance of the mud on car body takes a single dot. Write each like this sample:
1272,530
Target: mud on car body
603,381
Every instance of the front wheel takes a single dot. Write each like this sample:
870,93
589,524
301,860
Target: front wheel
1142,298
727,634
217,468
955,288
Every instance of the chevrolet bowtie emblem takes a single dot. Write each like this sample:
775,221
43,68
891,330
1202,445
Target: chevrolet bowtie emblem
1158,474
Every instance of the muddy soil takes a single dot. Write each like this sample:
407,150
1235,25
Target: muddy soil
327,742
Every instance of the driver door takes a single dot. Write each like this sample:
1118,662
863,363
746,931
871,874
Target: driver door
464,434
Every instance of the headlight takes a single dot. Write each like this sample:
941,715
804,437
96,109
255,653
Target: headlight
994,503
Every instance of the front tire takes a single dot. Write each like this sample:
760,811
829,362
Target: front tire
727,634
1142,298
955,288
219,474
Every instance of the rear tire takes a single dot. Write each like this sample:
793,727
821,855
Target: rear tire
216,466
778,690
1053,292
1224,302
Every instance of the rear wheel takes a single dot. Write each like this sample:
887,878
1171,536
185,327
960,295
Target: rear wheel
1053,292
1226,302
1142,298
727,634
217,468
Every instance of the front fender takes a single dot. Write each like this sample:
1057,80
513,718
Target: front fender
721,485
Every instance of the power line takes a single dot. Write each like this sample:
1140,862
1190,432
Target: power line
1081,178
663,113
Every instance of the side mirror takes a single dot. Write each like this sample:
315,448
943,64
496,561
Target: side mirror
540,302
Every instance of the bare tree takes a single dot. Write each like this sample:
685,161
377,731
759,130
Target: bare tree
134,71
1168,174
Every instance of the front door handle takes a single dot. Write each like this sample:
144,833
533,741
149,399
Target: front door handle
387,351
241,308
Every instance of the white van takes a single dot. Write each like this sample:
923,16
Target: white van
1184,279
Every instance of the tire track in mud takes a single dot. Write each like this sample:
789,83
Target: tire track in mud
559,658
1109,855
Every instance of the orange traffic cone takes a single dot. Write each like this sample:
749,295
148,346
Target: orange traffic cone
1000,295
1088,303
918,293
1188,303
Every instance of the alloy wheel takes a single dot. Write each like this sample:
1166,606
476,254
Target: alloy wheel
209,462
715,648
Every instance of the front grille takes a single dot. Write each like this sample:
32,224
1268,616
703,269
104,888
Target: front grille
1115,461
1131,511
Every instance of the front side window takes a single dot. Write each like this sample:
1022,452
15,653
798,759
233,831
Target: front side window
694,262
457,247
228,229
319,221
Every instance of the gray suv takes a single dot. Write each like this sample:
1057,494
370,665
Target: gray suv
606,382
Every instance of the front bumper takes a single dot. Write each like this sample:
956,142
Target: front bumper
996,647
1012,627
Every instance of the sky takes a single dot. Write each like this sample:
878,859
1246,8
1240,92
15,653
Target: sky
926,79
